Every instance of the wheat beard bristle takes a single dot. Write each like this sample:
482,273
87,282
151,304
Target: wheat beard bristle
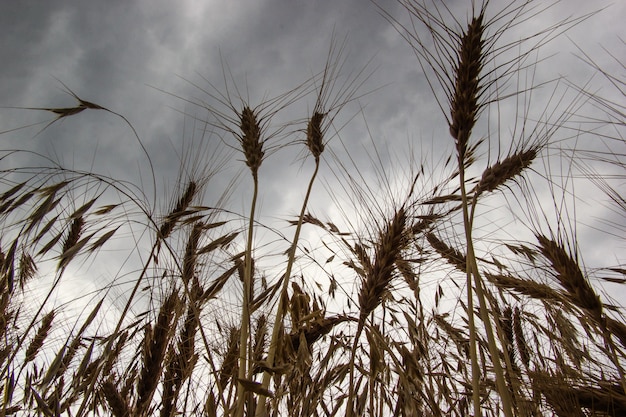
464,102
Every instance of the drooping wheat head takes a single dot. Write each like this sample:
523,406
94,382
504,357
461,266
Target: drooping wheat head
569,275
450,254
502,171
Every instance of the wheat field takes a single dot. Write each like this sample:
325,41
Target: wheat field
456,287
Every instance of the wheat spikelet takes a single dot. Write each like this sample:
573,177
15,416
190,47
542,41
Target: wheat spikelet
181,363
112,355
40,337
260,339
520,340
183,202
570,276
378,278
617,328
69,355
452,255
464,102
251,140
154,353
6,315
506,324
28,267
45,207
314,135
299,305
410,277
229,365
171,377
457,335
533,289
10,192
189,259
502,171
13,203
71,240
118,404
7,268
186,343
580,399
320,327
363,258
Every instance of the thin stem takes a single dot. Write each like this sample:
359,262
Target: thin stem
245,310
113,336
280,312
472,269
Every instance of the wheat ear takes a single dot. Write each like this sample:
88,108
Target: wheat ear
37,342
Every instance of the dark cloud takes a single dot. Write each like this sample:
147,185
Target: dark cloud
112,52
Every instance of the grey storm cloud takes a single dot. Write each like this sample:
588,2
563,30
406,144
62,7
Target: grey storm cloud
122,55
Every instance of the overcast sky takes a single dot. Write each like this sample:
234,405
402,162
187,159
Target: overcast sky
114,52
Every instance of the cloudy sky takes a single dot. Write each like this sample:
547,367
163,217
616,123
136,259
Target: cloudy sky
123,54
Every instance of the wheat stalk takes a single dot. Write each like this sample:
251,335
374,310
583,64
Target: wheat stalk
464,107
